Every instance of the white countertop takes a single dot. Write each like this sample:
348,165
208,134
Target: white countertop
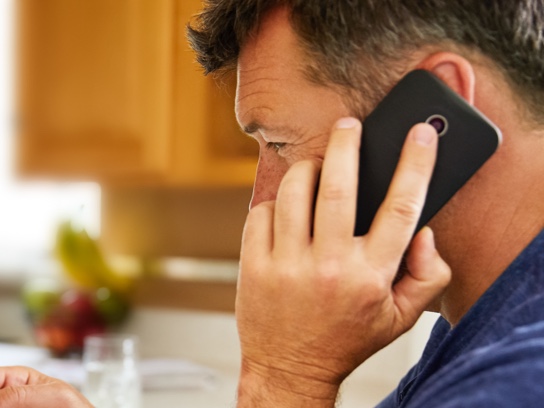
355,394
198,391
210,340
219,391
221,395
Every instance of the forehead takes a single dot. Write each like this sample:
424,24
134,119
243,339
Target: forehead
272,86
270,66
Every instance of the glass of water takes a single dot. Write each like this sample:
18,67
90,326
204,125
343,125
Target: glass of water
111,368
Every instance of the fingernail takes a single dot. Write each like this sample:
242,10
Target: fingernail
424,135
347,123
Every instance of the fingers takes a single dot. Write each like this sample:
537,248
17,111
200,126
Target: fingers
398,215
337,196
286,224
24,387
294,207
54,394
427,277
15,376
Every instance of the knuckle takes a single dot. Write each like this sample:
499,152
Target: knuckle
334,280
335,191
377,286
405,209
328,277
328,267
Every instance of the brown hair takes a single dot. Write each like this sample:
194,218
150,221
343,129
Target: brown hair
350,41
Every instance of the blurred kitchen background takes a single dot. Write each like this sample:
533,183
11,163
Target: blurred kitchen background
112,141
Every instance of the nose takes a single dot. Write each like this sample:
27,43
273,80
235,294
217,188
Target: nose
270,172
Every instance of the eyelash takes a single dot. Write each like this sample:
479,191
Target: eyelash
276,146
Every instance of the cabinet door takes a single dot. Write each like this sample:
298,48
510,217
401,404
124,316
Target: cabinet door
209,147
109,90
95,88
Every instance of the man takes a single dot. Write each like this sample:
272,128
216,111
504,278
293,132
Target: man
314,302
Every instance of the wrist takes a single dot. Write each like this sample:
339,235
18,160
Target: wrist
261,387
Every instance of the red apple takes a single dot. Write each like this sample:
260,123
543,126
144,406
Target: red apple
63,329
84,318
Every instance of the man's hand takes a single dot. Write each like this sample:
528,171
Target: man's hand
314,301
22,387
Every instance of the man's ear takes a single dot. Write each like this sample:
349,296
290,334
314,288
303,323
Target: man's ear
456,71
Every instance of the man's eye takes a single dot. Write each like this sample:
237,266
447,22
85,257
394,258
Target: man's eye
276,146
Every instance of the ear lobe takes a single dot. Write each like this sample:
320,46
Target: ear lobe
456,72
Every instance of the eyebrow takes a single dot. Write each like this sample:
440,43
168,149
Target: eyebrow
252,127
255,126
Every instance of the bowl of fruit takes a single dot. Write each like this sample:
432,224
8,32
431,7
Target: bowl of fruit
62,318
93,300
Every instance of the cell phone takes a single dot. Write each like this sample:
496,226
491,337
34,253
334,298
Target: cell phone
467,140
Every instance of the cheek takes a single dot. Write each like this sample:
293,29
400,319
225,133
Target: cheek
270,172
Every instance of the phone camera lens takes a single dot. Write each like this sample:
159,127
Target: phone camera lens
439,122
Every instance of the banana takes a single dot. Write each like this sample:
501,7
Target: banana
67,249
84,263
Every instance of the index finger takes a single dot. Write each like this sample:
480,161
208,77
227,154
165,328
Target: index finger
394,224
17,376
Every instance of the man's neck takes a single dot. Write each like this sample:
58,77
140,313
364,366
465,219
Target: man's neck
491,220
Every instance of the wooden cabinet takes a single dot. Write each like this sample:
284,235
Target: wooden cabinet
109,91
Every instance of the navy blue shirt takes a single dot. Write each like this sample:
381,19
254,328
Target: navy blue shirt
494,357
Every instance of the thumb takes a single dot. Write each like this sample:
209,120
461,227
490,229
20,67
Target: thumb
427,277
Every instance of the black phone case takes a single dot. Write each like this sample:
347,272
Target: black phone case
468,142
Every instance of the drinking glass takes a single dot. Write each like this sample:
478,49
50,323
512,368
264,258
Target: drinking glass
111,368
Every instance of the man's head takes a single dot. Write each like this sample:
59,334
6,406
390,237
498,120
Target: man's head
361,46
303,64
325,59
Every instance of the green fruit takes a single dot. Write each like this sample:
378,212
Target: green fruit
112,307
40,296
